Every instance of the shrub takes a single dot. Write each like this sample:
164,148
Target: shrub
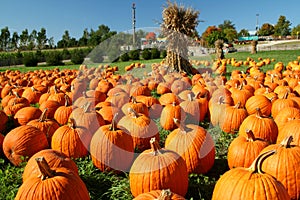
77,56
54,58
40,56
155,53
30,60
164,53
65,54
134,54
146,54
124,57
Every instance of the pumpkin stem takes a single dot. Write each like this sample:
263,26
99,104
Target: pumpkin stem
67,100
86,106
43,115
133,113
250,135
237,105
257,163
221,100
287,141
72,123
113,125
16,94
180,125
155,147
258,113
190,96
165,195
44,168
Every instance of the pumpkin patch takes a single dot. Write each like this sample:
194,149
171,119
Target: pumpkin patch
159,135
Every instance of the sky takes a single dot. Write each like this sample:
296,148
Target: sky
56,16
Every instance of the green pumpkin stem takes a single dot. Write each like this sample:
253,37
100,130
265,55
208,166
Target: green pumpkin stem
155,147
257,163
44,168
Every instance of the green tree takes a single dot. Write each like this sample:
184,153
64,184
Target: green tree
243,33
229,30
24,39
41,38
212,34
266,30
84,38
15,41
5,38
227,24
296,31
32,39
282,28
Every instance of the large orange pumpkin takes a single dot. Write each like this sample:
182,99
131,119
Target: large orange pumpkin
158,168
23,142
26,114
165,194
53,157
249,183
284,165
53,183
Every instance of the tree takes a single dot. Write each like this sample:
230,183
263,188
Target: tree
178,24
243,33
229,30
266,30
15,41
151,36
296,31
84,38
282,28
4,38
24,39
41,38
32,40
212,34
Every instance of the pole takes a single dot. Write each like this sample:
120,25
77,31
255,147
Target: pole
133,25
257,23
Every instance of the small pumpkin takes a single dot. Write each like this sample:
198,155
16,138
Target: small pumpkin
164,194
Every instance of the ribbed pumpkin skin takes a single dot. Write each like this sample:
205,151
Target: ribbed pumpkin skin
54,159
26,114
153,172
195,146
284,116
242,152
23,141
240,183
153,195
262,127
258,101
291,128
74,142
62,114
112,149
285,167
64,185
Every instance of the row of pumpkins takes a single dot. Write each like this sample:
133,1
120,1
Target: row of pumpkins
111,117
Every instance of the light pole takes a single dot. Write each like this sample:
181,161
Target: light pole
133,24
257,15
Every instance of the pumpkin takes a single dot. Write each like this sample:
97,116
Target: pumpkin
62,113
51,107
3,120
22,142
168,98
169,112
195,109
72,140
240,94
258,101
262,127
243,150
139,107
33,95
87,117
216,111
140,127
158,168
282,103
284,165
289,113
249,183
26,114
53,183
165,194
48,126
290,128
194,144
232,118
1,144
111,148
54,159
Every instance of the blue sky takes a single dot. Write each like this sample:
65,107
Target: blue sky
56,16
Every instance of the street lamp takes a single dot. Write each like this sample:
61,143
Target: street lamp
257,15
